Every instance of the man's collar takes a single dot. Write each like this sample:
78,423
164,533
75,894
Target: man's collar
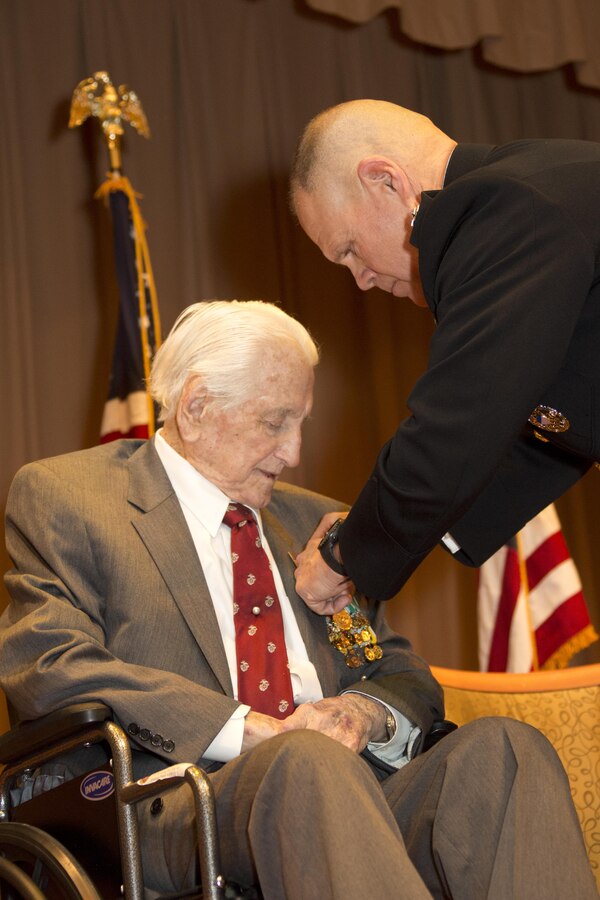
204,499
464,158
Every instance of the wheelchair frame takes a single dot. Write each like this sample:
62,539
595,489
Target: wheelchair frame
31,744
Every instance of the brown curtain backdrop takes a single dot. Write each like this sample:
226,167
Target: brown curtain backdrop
227,86
521,35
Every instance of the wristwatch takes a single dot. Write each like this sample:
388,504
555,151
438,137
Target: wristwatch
326,545
390,724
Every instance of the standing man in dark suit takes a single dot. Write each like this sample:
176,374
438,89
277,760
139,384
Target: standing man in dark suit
125,589
503,245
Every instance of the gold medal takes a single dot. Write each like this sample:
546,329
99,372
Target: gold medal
343,620
353,661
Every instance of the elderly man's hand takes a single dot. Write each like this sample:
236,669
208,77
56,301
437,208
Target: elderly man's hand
351,719
322,589
258,727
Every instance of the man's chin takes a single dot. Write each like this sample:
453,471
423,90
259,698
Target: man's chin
259,495
412,291
401,289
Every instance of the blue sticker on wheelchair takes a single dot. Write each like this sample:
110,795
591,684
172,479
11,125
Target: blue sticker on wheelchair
97,786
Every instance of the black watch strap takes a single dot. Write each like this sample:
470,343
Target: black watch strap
326,545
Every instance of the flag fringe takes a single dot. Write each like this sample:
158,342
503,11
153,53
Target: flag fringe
561,657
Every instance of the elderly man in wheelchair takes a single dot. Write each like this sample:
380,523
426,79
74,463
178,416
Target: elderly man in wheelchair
246,744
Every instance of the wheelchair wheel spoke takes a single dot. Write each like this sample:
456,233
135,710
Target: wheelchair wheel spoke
38,873
46,865
18,883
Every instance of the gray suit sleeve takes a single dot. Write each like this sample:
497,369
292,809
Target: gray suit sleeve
62,641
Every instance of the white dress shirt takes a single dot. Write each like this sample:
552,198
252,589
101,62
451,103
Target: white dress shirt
204,505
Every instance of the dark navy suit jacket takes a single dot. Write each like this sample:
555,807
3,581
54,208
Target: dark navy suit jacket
509,260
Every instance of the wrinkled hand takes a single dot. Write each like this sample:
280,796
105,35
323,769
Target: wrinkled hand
258,727
352,719
322,589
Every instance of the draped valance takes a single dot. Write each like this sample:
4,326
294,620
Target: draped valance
521,35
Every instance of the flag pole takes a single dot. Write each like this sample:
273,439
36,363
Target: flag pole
129,412
525,588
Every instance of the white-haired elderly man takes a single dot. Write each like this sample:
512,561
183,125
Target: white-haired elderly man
134,565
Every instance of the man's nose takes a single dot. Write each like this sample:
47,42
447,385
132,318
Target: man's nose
289,450
364,277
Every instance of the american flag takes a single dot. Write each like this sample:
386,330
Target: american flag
129,410
531,609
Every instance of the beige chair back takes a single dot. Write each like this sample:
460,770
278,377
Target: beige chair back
564,704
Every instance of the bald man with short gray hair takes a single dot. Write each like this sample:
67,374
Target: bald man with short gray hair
502,245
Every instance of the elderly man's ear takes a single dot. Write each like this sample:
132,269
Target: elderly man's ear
191,407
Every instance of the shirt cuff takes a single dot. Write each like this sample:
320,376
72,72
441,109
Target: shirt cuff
450,543
227,744
399,749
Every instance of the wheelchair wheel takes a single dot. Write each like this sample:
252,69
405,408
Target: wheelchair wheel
11,874
46,865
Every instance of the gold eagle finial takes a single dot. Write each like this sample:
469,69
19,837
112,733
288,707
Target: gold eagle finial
97,96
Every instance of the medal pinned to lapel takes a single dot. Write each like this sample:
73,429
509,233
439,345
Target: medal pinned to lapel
350,632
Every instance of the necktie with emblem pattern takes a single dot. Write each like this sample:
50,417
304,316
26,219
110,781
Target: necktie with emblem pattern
264,681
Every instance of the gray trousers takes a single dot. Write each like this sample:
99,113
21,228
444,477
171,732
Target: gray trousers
486,813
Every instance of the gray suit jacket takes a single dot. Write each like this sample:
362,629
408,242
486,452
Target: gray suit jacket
109,602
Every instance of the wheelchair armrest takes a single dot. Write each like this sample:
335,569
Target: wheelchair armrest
30,736
437,731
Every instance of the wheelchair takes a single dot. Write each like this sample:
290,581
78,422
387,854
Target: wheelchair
80,840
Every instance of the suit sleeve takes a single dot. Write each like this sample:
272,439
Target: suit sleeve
509,274
530,477
53,635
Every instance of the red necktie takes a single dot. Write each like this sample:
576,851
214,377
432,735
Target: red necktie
263,673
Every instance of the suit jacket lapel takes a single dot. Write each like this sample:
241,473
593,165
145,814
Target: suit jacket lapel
313,627
165,534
